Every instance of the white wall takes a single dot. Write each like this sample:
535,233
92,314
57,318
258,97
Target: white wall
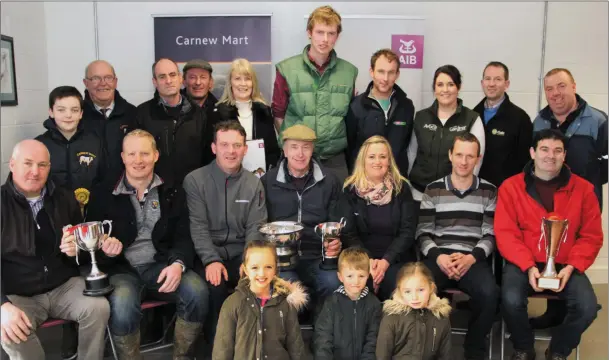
25,23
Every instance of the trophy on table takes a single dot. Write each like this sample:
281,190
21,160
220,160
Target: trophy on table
554,231
90,237
329,231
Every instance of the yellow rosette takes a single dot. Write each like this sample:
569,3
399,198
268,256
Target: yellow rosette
82,196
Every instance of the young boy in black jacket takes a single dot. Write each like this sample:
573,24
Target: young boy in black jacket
76,154
348,324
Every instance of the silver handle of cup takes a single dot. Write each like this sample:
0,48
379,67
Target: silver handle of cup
109,222
342,222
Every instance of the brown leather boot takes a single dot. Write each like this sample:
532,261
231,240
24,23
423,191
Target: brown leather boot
128,346
185,336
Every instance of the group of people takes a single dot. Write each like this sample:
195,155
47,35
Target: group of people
429,198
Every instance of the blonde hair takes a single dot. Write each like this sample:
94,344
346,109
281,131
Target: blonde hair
325,15
354,258
413,269
244,67
359,172
141,134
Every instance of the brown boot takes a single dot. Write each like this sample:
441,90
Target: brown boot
185,335
128,346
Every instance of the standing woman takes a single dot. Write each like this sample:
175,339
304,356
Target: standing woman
435,129
380,212
243,101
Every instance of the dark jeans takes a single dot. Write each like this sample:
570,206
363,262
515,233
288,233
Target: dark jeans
130,289
320,283
479,284
389,281
217,295
581,309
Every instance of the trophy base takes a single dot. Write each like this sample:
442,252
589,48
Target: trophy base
97,287
329,263
548,283
287,262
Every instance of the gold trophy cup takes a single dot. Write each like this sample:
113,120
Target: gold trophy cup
554,231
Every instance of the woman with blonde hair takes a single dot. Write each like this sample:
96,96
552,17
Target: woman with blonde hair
380,213
242,101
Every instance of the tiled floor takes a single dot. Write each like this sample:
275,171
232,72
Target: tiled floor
594,345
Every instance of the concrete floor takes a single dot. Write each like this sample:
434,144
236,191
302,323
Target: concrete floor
594,345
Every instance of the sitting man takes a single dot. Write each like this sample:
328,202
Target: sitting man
455,233
301,189
227,206
547,186
39,278
150,219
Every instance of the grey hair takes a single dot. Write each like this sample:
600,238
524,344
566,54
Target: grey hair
96,62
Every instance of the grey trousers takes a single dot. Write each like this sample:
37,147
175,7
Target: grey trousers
337,164
64,302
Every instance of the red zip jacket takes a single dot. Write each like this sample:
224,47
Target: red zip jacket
518,221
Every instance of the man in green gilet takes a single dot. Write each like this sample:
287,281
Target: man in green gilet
315,88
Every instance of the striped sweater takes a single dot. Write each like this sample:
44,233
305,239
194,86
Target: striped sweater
457,221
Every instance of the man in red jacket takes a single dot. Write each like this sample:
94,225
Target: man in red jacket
546,186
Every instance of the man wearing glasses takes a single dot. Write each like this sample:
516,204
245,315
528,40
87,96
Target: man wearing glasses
106,112
226,206
177,124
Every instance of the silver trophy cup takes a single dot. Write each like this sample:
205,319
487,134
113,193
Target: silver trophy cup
286,237
89,237
329,231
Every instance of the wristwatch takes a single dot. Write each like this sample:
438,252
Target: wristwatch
181,264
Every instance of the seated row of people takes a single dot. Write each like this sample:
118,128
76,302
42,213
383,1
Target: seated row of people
158,235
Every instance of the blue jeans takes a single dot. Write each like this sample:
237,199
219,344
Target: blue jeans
320,283
130,289
581,309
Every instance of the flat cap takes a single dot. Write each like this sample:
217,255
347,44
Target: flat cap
298,132
197,64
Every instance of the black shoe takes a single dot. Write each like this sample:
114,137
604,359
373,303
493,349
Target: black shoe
554,356
523,355
554,315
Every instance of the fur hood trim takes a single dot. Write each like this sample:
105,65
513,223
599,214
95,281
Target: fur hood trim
440,308
294,292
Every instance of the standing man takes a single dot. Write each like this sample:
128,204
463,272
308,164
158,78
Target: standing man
585,130
546,186
226,206
314,89
40,278
383,109
508,128
177,124
106,112
198,83
508,132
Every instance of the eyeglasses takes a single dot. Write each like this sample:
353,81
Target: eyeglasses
97,79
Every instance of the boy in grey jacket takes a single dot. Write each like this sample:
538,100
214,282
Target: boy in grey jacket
226,206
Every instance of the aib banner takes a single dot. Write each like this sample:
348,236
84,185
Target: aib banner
218,40
409,49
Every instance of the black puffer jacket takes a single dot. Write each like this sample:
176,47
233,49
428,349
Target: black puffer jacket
110,131
347,329
179,137
263,127
26,270
366,118
75,163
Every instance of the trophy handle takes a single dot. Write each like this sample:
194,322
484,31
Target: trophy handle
318,227
342,222
109,222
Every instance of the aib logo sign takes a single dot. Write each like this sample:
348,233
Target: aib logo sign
409,49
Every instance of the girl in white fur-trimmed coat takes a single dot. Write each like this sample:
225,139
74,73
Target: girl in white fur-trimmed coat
260,319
